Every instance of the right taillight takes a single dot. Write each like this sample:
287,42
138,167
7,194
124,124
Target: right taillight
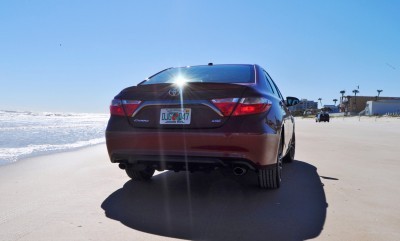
123,107
226,105
246,106
252,105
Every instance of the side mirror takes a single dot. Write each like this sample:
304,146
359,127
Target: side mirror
291,101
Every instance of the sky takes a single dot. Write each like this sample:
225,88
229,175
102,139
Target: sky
75,56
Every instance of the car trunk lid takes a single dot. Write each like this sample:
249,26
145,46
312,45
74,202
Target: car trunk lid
170,106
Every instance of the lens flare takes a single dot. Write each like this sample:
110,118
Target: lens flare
180,81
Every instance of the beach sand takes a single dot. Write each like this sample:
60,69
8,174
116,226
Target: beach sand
344,185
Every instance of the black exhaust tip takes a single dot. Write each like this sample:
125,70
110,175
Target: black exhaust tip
122,166
239,171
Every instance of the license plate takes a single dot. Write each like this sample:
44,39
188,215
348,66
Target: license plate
173,116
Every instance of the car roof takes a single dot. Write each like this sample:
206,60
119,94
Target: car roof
211,64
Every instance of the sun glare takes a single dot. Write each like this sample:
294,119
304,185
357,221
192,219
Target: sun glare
180,81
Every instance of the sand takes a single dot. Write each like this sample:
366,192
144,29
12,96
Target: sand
344,185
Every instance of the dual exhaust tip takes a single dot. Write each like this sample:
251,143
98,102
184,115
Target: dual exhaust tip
123,166
238,171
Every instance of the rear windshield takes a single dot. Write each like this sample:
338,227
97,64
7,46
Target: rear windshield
207,74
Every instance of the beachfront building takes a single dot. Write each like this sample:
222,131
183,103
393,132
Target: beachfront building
383,107
331,108
354,105
304,105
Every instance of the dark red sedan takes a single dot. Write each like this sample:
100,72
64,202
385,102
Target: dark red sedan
202,118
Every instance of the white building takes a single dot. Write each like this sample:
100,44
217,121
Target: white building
382,107
332,108
303,105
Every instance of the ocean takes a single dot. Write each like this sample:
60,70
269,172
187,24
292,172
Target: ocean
27,134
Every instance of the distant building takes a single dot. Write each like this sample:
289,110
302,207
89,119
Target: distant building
351,104
331,108
304,105
382,107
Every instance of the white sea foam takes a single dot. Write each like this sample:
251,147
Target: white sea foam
26,134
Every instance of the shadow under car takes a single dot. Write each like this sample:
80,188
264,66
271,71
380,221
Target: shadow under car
215,206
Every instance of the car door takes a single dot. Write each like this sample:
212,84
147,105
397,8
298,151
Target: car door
288,120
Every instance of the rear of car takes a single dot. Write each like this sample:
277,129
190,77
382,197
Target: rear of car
200,118
322,117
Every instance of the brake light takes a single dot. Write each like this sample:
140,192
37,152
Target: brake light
226,106
130,106
246,106
116,108
123,107
252,105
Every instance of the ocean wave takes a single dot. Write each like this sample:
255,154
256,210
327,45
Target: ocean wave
32,128
45,113
9,155
25,133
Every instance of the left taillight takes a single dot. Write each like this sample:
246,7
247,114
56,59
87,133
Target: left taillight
123,107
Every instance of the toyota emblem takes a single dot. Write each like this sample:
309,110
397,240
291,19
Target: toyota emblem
173,92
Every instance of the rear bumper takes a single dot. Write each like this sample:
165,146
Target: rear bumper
175,150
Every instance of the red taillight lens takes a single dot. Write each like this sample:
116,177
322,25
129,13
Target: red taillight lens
123,107
226,106
116,108
130,106
252,105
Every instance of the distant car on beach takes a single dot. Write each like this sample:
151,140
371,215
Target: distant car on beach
322,116
202,118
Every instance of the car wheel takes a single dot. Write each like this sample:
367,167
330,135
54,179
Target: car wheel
140,175
289,157
271,178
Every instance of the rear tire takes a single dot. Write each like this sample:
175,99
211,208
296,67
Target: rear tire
271,178
292,150
136,175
